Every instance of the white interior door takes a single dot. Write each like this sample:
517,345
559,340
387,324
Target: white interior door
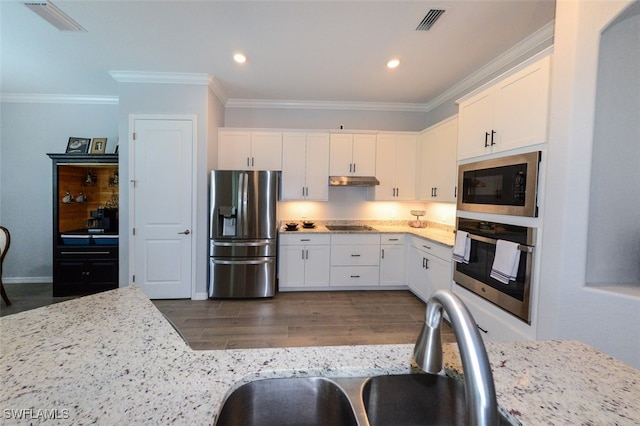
162,200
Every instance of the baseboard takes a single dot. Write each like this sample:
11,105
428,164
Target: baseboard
27,280
200,296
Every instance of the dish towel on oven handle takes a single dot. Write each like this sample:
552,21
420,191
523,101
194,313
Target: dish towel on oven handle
462,247
506,261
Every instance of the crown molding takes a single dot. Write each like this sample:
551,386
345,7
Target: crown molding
325,105
171,78
535,41
58,99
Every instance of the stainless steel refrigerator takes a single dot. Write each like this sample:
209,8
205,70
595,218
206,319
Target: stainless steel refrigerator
243,232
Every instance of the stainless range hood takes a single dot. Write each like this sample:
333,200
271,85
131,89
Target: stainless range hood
353,181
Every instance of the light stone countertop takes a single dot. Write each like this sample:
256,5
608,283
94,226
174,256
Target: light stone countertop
112,358
439,233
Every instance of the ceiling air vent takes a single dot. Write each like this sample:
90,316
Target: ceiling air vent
430,18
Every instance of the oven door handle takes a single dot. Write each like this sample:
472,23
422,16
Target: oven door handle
521,247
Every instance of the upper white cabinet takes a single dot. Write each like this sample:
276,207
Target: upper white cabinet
438,168
395,167
352,154
305,166
249,150
511,113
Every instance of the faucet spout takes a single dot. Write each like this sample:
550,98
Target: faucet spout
480,394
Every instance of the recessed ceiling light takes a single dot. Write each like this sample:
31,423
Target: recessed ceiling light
393,63
240,58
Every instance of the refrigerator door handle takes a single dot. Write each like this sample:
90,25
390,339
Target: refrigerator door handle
253,243
245,197
258,261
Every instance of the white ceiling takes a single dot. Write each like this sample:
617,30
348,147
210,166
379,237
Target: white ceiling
297,50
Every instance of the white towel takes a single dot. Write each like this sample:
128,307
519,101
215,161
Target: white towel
462,247
506,261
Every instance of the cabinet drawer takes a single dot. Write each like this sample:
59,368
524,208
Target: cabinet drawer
346,276
492,328
435,249
355,255
391,239
355,238
84,252
305,239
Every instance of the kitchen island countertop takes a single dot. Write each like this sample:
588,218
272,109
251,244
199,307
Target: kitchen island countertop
112,358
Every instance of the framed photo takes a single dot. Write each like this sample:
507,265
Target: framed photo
99,145
78,145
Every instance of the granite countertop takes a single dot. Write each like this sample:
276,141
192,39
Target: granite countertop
112,358
439,233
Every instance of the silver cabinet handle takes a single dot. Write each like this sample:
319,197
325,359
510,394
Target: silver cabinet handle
185,232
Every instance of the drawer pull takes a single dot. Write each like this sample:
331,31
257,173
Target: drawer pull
427,247
355,276
482,329
393,239
305,239
355,255
84,252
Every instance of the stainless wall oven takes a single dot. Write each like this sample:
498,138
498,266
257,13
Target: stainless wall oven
513,297
506,185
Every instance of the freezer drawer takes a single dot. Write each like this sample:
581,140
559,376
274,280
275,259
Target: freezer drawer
242,278
242,248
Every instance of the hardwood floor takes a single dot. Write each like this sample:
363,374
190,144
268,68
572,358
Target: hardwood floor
300,319
287,320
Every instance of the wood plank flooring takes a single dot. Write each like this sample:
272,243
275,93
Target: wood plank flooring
300,319
287,320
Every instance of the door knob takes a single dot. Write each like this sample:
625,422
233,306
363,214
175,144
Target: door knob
187,232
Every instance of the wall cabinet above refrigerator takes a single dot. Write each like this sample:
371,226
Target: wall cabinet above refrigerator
249,150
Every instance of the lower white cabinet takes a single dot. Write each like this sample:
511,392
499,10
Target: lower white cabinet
314,261
488,318
305,261
392,260
429,267
355,260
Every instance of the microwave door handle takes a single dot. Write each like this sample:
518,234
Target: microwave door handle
521,247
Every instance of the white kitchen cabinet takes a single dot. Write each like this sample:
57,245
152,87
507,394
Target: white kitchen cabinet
355,260
438,168
429,268
511,113
352,154
304,261
392,260
249,150
488,319
395,167
305,166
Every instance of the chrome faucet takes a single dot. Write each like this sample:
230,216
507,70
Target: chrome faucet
480,394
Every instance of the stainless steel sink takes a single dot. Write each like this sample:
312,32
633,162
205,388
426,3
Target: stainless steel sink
295,401
408,399
414,399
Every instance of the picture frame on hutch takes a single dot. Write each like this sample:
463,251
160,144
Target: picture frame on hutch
98,146
78,145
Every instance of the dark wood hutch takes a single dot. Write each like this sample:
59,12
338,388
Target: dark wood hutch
85,223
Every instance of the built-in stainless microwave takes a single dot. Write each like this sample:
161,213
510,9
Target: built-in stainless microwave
505,185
